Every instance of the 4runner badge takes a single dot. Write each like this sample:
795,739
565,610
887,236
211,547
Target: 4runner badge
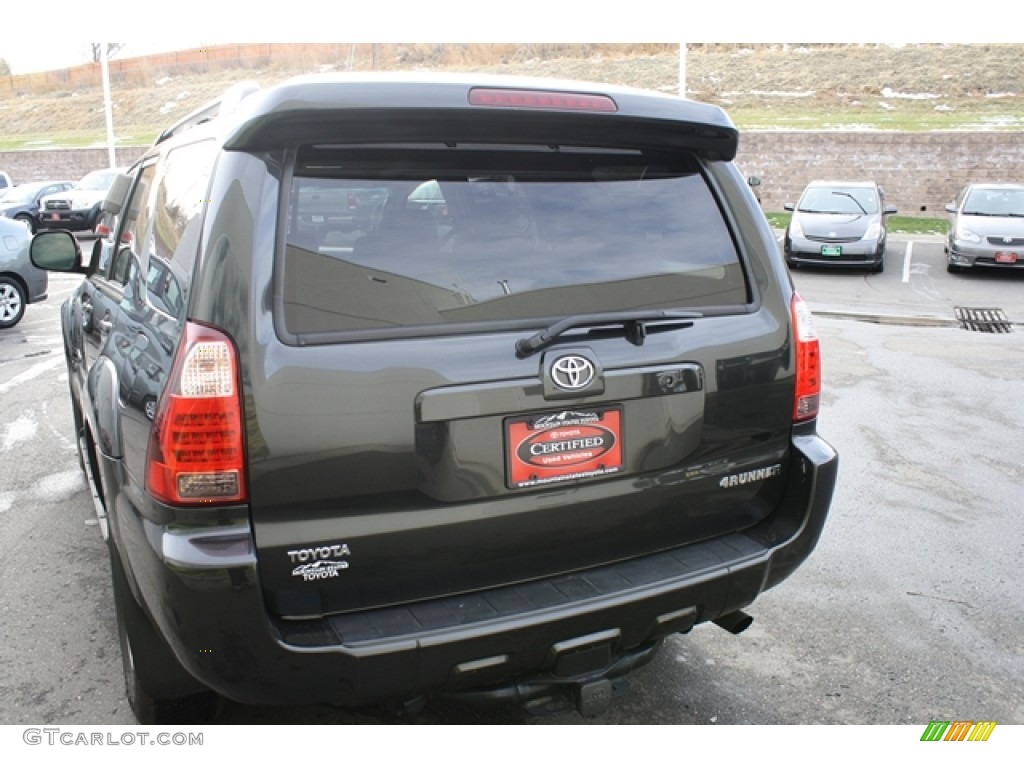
314,563
731,481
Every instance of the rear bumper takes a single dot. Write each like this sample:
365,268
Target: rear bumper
202,589
982,256
38,283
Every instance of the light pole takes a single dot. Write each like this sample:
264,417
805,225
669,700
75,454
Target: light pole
682,70
107,106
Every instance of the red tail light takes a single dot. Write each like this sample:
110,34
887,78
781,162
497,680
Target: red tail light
513,97
196,448
808,361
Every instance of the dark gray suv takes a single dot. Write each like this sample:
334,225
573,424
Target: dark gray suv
393,386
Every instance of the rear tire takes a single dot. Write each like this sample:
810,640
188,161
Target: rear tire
157,686
12,302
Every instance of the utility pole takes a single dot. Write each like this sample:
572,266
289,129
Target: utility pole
108,108
682,70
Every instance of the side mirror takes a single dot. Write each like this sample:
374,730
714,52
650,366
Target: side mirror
950,208
789,207
754,181
56,250
116,194
890,209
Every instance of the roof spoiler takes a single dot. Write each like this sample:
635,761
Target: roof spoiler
226,104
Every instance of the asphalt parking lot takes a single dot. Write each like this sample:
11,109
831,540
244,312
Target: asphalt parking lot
915,287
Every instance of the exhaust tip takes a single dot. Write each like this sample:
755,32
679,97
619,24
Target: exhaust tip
735,622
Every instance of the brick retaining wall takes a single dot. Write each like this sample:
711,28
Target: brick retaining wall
44,164
920,172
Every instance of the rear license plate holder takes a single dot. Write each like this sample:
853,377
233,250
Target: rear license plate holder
563,446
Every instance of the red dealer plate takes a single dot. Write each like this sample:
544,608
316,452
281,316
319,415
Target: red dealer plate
576,444
1006,257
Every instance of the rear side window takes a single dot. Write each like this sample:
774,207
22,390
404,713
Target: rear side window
163,221
423,237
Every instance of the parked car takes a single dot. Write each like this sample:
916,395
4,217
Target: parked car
987,227
5,183
838,223
21,282
77,208
500,453
21,203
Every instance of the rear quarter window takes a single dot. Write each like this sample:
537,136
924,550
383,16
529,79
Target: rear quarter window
424,238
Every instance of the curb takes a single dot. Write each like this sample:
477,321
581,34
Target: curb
920,321
915,321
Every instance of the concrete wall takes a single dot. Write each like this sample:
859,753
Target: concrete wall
920,172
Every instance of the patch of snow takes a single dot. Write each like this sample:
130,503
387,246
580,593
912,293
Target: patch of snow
165,80
889,93
19,430
998,121
32,373
852,128
778,94
784,94
60,486
1008,95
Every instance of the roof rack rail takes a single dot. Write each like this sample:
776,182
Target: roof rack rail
228,101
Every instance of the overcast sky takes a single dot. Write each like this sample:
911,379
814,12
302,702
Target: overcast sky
23,59
180,24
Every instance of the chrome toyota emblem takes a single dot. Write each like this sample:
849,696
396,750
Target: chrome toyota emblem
572,372
1007,240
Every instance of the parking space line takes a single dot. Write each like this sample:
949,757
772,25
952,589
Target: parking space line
908,258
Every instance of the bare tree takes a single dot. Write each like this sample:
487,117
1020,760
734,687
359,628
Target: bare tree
112,48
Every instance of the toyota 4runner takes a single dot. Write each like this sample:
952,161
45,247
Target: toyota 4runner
388,387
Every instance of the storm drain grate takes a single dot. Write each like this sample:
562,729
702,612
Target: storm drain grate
983,319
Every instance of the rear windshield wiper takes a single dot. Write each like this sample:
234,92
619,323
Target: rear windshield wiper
633,324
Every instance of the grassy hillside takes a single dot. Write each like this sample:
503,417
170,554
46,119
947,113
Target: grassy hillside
834,86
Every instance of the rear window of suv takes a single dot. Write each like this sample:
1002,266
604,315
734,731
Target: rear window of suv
415,239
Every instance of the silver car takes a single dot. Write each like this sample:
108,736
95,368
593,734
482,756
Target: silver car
838,223
21,283
987,229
